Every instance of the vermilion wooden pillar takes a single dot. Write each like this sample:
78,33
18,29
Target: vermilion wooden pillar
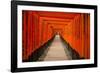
24,33
27,34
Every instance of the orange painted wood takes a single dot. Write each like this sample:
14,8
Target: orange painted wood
40,26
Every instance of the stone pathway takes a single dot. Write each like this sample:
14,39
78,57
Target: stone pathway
56,51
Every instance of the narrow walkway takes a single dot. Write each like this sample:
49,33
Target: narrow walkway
56,51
